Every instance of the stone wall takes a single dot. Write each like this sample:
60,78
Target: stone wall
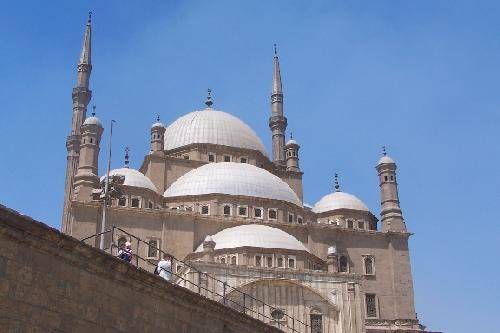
50,282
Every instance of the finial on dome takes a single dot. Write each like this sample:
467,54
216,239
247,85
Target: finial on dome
209,102
127,150
90,18
336,180
384,151
158,117
291,135
93,110
275,50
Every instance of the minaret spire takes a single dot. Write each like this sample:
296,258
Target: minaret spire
81,97
277,121
85,62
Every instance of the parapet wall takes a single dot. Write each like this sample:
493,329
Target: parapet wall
51,282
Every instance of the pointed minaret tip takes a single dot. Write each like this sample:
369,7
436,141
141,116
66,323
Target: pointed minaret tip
93,110
277,87
384,151
209,102
85,56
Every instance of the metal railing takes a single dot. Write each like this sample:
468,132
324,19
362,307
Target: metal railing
203,283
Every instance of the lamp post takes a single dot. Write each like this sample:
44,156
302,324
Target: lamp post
106,186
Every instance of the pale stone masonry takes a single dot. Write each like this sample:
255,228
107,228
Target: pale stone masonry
206,186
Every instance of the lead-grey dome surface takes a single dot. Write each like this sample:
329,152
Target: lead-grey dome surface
211,126
255,235
233,179
339,200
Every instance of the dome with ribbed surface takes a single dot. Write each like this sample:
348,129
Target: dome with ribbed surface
255,235
339,200
233,179
133,178
211,126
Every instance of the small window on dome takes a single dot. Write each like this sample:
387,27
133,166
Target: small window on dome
392,177
269,261
257,213
91,140
227,210
135,203
290,217
299,220
211,157
291,262
122,201
361,225
150,205
350,224
227,158
385,177
204,210
222,260
258,261
186,157
243,160
233,260
280,262
272,214
242,211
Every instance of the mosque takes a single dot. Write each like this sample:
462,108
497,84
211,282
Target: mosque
209,193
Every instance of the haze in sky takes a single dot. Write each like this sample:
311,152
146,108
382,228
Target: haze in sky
421,77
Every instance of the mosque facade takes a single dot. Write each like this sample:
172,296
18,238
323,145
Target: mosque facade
209,193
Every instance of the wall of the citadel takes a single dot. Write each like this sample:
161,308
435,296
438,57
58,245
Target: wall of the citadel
50,282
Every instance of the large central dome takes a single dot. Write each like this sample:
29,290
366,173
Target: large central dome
233,179
211,126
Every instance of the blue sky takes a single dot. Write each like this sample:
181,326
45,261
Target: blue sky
421,77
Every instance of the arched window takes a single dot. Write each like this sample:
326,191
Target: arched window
233,260
227,210
343,264
153,248
369,265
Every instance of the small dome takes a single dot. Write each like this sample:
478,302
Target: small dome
157,124
92,120
339,200
386,160
255,235
210,126
233,179
291,142
133,178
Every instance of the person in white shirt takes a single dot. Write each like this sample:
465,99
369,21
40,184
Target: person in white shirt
164,268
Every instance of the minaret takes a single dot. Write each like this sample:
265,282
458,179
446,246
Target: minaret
277,121
392,218
157,133
87,179
81,97
292,155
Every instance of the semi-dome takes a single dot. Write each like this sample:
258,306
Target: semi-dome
92,120
339,200
133,178
255,235
211,126
233,179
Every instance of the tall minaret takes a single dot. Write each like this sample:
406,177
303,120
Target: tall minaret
277,121
81,98
392,218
